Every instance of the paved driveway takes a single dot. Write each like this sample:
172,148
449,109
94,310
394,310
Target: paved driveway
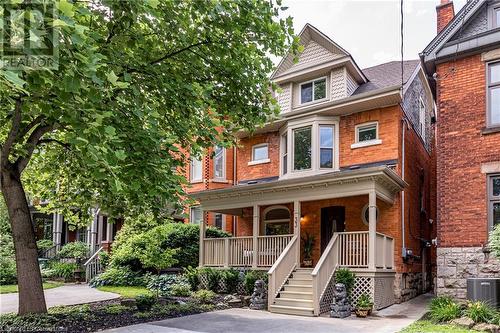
389,320
68,294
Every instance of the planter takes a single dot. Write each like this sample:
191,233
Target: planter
307,263
363,312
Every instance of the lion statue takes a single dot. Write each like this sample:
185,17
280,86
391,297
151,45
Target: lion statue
258,301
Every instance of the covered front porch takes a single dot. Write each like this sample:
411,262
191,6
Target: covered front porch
350,215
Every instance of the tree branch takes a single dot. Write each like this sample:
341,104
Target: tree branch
14,130
50,140
32,142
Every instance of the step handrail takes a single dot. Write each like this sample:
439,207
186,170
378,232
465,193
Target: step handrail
281,269
93,256
324,271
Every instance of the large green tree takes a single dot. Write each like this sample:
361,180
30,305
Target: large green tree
137,83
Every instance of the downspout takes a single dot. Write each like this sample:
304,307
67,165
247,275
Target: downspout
403,227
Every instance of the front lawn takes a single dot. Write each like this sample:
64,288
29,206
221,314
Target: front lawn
12,288
427,326
126,291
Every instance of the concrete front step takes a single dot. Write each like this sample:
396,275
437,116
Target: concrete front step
292,310
297,287
297,303
296,295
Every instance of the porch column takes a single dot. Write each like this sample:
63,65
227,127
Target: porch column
202,238
255,234
109,232
296,227
93,231
57,226
372,228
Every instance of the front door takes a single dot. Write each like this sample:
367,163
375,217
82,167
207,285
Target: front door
332,220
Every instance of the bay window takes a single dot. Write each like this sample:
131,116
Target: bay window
284,153
302,141
494,94
325,146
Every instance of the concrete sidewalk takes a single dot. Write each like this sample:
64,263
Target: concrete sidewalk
68,294
389,320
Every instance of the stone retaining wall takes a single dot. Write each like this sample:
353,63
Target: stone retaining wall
456,264
407,286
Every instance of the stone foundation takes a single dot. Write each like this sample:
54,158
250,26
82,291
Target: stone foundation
407,286
456,264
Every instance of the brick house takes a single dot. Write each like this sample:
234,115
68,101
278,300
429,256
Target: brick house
350,162
463,66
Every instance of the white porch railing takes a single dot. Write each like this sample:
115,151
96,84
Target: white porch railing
384,255
353,249
282,268
93,266
239,251
324,270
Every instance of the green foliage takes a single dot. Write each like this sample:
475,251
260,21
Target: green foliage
125,291
74,250
72,309
494,243
104,258
480,312
213,276
162,284
116,309
8,274
28,323
180,289
444,309
427,326
364,302
251,277
192,275
204,296
308,246
231,278
44,244
118,276
345,276
63,269
212,232
142,314
144,302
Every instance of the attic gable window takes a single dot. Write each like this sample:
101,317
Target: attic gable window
313,90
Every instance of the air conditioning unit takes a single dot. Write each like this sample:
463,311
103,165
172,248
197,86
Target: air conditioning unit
484,289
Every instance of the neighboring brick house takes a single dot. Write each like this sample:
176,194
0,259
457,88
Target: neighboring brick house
350,161
463,66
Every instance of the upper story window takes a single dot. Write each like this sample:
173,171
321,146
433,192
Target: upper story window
313,90
325,146
496,17
366,135
302,146
260,154
494,94
219,163
284,153
196,170
494,200
421,117
195,215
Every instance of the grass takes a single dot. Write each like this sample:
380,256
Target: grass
12,288
427,326
128,292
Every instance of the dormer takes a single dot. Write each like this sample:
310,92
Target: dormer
324,72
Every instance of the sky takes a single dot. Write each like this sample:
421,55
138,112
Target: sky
370,30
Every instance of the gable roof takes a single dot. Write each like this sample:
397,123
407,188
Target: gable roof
320,44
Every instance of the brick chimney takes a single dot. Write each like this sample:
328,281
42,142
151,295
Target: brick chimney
445,13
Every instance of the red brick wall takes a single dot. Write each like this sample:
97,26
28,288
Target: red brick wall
461,149
244,155
445,13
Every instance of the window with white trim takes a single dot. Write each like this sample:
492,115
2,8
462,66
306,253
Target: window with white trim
494,200
326,133
219,163
196,170
277,221
494,94
302,148
195,215
368,132
219,221
260,153
496,17
421,117
313,90
284,153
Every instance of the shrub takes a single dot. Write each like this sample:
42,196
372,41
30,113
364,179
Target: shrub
364,302
104,258
480,312
8,274
231,278
204,296
118,276
144,302
44,244
192,275
213,276
162,284
74,250
443,309
345,276
251,277
180,289
116,309
494,243
63,269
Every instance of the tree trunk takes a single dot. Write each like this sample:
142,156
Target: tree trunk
31,297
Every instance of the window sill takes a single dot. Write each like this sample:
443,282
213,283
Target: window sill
196,181
222,181
366,144
490,130
267,160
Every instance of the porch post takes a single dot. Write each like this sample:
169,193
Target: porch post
93,231
372,228
202,238
296,227
57,230
109,232
255,234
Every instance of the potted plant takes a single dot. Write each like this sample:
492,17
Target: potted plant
364,306
308,248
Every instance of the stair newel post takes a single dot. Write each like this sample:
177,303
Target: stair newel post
372,228
296,228
202,244
255,234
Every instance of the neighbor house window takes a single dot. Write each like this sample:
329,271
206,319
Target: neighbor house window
494,94
219,163
195,215
219,221
325,146
302,148
312,90
421,117
284,154
494,200
260,153
196,170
